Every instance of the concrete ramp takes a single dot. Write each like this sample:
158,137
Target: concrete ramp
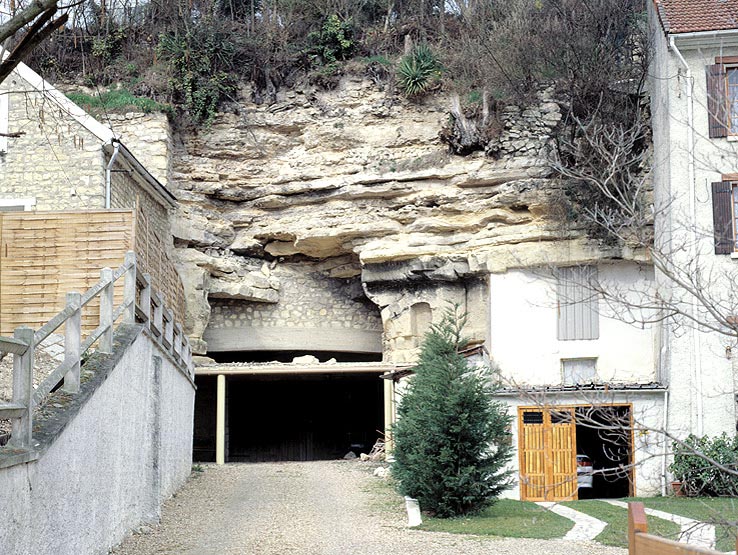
104,459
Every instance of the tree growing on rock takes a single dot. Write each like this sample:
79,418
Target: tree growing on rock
452,441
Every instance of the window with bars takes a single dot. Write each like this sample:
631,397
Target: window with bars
577,303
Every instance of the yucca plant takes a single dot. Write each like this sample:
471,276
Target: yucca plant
418,70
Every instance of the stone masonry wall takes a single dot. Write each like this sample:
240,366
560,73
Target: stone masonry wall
125,192
149,138
54,159
314,312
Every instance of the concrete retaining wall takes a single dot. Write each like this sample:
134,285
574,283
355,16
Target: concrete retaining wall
128,448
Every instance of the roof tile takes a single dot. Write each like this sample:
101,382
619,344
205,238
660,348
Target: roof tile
689,16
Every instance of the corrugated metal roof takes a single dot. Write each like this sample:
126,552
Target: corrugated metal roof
690,16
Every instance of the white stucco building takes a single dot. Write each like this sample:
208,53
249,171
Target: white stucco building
571,360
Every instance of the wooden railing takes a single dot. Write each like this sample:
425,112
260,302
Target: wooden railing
640,542
139,303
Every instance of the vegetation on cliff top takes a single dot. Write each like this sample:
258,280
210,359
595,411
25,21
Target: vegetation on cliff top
193,54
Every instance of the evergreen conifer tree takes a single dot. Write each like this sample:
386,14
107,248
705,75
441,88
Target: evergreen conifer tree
451,440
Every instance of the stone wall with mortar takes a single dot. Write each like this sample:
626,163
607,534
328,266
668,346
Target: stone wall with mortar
149,138
125,192
54,159
104,476
314,312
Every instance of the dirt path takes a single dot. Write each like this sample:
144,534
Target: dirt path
316,508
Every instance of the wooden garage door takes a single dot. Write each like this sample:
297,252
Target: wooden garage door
547,452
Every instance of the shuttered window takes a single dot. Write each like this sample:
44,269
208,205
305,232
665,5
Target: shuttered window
717,104
722,217
577,303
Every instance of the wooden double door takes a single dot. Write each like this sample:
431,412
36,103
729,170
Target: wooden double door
547,450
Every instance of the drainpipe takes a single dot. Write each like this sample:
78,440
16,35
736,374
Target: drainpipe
665,452
109,169
697,366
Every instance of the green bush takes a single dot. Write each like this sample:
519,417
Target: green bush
201,62
334,41
694,465
452,441
418,71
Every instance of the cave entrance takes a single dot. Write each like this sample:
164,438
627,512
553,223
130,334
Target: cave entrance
291,416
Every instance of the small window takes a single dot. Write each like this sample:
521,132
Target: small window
561,417
577,303
533,417
577,371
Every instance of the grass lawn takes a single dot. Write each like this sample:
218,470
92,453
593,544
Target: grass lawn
507,518
616,531
720,511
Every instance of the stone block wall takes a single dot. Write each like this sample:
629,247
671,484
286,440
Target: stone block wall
54,159
126,192
314,313
149,138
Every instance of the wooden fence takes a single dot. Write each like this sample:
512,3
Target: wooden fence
43,255
640,542
139,303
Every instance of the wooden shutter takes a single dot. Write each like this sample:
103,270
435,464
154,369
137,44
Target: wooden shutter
717,103
578,315
722,216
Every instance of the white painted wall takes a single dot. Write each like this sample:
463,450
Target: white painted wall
523,338
697,365
128,449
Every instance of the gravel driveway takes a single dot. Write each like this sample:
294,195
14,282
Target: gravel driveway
313,508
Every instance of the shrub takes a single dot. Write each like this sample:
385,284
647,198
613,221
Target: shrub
334,41
451,441
201,64
693,465
418,71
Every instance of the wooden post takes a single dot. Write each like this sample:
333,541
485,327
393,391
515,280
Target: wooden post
72,340
220,420
388,415
168,330
637,523
106,311
23,389
146,300
129,289
178,341
159,315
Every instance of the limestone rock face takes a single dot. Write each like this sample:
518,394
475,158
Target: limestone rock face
356,181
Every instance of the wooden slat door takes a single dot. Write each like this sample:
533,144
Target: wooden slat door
563,455
547,445
532,448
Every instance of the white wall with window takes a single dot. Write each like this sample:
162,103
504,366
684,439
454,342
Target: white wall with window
551,328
